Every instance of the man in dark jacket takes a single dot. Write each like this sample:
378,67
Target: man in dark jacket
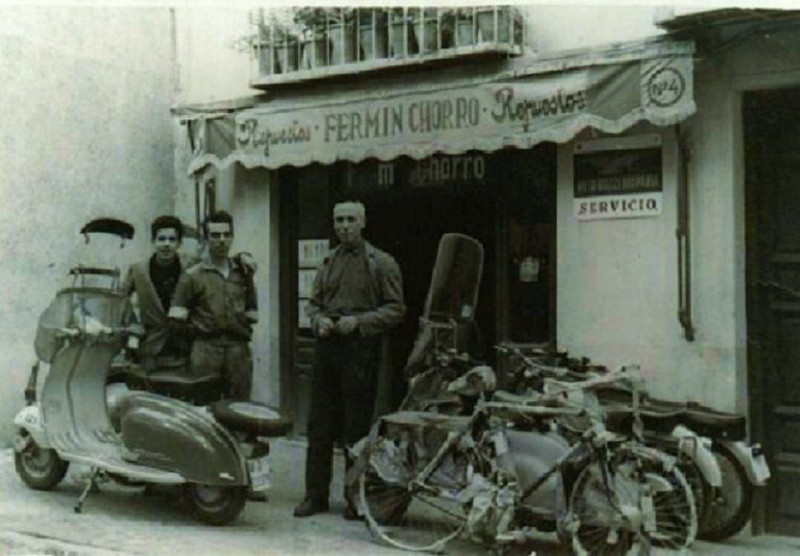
153,282
356,299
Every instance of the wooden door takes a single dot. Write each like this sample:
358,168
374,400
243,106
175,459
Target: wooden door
772,161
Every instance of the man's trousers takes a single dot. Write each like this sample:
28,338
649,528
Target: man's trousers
342,399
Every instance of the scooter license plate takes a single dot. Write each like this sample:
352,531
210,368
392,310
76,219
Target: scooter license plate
760,469
259,473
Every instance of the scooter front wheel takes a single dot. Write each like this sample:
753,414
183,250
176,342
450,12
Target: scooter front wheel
39,468
214,505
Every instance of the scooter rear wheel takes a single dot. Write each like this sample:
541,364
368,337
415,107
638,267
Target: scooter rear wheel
214,505
39,468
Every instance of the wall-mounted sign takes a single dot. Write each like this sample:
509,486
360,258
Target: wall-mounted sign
618,179
453,173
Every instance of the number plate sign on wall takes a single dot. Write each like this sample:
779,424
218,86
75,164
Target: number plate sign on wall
618,177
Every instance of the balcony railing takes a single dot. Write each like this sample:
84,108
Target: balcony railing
324,42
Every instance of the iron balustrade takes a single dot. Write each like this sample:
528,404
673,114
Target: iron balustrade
321,42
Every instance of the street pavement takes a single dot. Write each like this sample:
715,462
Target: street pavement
126,521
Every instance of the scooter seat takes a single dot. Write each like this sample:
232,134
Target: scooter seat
251,417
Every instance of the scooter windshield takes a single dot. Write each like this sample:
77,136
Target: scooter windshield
456,278
83,309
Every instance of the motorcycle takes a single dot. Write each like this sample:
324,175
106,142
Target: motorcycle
407,459
214,455
723,469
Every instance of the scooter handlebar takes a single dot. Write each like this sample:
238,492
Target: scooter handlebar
98,331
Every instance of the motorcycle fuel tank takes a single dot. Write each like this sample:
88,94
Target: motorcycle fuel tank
175,436
534,454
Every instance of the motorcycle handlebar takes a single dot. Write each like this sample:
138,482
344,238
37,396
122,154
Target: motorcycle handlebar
623,373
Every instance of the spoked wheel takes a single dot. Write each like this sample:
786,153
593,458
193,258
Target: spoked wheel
648,504
40,468
674,505
599,526
731,506
403,514
215,505
701,490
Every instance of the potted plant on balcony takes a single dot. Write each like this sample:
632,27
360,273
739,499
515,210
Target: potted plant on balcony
426,29
372,33
499,18
341,34
311,23
274,46
401,39
464,27
285,46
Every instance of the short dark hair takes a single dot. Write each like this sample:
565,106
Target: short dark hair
217,216
166,221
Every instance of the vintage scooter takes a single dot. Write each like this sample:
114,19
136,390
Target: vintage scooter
215,455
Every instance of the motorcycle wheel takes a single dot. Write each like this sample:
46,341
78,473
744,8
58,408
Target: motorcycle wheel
600,526
214,505
732,504
701,490
402,514
39,468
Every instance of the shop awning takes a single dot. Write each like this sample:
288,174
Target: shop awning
534,100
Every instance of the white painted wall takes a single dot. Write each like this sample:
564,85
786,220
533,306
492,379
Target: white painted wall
617,289
85,131
618,281
211,64
250,204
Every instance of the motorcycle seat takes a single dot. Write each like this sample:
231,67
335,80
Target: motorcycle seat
704,420
423,419
664,416
252,417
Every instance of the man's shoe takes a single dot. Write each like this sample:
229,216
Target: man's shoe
310,506
351,514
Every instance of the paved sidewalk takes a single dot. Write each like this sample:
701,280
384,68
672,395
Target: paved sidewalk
123,521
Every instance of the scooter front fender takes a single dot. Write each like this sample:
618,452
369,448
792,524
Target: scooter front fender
698,449
30,420
175,436
752,460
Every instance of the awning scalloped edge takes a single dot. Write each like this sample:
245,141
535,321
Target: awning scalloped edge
558,134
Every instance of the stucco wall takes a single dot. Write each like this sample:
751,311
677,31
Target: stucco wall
617,280
212,65
86,132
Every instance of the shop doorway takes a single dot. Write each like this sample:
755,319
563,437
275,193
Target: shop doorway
772,161
409,227
505,200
